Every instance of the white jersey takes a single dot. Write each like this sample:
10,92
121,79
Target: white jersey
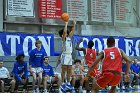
67,46
4,73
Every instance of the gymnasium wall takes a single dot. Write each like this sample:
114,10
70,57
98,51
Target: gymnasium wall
1,15
37,25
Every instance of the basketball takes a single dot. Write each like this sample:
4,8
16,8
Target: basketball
65,17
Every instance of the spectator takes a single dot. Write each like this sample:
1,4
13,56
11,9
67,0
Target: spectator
5,78
122,83
77,74
135,69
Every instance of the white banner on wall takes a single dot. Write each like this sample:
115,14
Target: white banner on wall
77,9
123,11
101,10
20,8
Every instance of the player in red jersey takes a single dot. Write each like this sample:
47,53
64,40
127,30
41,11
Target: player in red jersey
90,55
111,67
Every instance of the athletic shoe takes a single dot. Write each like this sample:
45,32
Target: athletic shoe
73,91
33,91
69,86
37,90
63,87
80,90
123,87
117,88
45,91
60,90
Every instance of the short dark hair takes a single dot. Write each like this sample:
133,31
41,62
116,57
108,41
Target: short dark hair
46,57
76,61
60,32
38,42
20,55
90,44
110,41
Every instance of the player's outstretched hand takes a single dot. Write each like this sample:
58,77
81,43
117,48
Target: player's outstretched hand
81,40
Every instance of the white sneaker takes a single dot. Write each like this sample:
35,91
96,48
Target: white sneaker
117,88
45,91
80,90
33,91
37,90
60,90
73,91
109,87
123,87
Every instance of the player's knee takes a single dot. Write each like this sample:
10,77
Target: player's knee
40,77
45,78
13,82
63,72
2,82
34,79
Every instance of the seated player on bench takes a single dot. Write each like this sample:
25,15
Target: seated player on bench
20,72
5,78
48,75
77,74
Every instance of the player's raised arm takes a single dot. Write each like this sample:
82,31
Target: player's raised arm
64,35
80,49
73,29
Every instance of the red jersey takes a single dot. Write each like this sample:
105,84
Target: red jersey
112,60
90,56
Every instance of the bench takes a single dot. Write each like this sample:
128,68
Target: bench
9,63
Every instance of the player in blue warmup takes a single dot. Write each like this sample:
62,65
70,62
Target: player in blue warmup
48,75
35,65
20,71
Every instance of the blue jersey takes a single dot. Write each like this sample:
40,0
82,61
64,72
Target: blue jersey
135,68
48,70
19,70
36,58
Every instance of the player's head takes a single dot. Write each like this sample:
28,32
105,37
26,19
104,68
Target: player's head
135,61
20,57
110,41
1,63
77,62
46,60
90,44
60,32
38,43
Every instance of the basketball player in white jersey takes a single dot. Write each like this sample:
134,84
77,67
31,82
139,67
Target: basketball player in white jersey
66,56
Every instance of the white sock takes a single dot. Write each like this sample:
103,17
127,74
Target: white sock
80,87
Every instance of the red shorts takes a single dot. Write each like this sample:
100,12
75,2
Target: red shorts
108,78
94,73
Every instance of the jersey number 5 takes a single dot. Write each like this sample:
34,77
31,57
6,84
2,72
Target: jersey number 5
112,56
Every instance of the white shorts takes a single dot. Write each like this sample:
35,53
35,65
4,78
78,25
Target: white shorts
37,70
66,59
